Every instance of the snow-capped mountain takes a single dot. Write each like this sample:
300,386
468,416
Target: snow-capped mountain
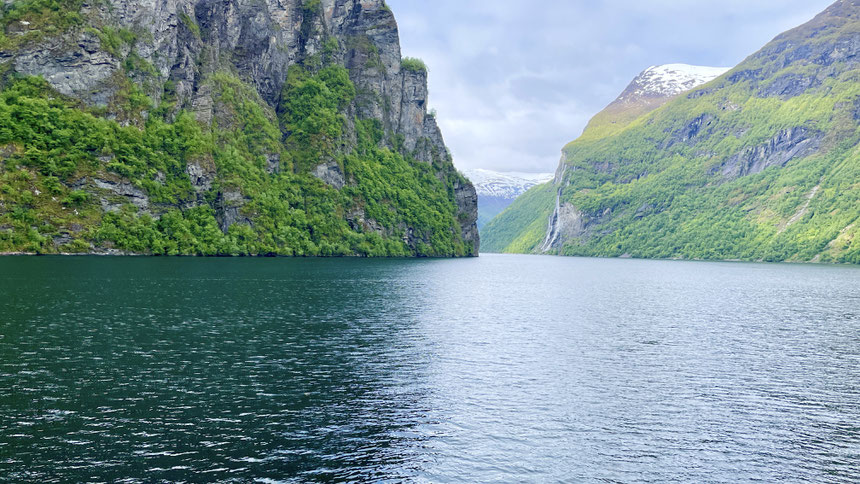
496,191
652,88
505,185
669,80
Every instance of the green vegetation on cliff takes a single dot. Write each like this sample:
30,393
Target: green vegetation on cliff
26,21
50,146
145,161
761,164
413,64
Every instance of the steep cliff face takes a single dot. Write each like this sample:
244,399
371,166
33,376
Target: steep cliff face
268,71
762,163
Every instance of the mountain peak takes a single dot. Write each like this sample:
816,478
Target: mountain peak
669,80
652,88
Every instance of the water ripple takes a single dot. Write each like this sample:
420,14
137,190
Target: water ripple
508,369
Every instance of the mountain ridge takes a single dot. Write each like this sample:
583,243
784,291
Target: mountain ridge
504,184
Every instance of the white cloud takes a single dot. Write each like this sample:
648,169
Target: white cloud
514,81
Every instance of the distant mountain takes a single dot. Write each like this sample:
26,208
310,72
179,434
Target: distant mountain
505,184
762,163
496,191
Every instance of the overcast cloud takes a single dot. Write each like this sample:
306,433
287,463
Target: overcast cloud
515,80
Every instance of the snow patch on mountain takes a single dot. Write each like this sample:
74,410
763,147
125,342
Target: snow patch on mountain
670,80
508,185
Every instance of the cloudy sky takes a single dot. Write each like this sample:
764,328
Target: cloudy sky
515,80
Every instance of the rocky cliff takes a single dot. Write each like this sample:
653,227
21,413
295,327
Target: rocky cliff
762,163
296,120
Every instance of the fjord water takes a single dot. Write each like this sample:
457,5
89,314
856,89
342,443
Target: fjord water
503,368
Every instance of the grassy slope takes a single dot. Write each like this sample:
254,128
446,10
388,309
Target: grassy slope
665,196
523,225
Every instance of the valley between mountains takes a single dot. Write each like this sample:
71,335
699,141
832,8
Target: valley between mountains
298,128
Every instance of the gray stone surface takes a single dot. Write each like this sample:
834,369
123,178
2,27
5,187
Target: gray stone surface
117,194
273,163
467,203
789,85
201,175
787,145
79,68
228,207
331,174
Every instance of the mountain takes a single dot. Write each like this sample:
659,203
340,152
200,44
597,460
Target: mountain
762,163
651,89
496,190
216,128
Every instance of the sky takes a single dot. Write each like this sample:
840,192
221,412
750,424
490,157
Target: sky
513,81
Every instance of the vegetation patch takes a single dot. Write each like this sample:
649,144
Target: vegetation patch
190,24
412,64
25,22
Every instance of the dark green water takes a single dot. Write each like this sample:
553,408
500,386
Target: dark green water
504,368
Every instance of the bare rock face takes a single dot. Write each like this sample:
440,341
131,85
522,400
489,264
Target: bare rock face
787,145
261,40
790,85
201,174
116,194
228,207
330,174
79,69
565,224
413,107
467,202
273,163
